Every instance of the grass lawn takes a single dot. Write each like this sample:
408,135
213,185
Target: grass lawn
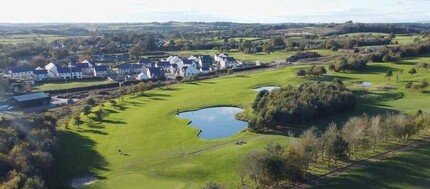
69,84
406,39
410,169
262,57
14,39
163,152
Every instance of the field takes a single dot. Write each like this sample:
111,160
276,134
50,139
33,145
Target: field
403,39
69,84
236,38
280,55
31,38
159,150
409,169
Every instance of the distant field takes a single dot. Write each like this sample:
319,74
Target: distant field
236,38
262,57
69,84
405,39
14,39
365,33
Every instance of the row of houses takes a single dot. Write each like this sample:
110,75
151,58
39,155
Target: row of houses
54,71
186,67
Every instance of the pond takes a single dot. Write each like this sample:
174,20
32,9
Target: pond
216,123
267,88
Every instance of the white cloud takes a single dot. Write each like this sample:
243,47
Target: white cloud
208,10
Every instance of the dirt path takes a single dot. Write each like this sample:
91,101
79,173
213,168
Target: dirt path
359,164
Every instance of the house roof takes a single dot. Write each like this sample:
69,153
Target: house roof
144,61
63,70
33,96
163,64
231,59
102,68
188,61
158,72
40,72
82,65
75,69
124,66
18,69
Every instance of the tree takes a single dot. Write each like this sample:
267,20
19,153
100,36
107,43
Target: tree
409,85
77,120
300,73
278,42
86,110
267,48
149,44
423,84
412,71
327,140
389,74
340,149
246,46
90,101
39,61
135,52
99,115
59,54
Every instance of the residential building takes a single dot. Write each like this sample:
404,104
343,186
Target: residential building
131,69
101,71
156,73
64,73
189,71
21,72
165,65
76,73
40,75
52,69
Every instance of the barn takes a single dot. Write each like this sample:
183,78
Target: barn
31,100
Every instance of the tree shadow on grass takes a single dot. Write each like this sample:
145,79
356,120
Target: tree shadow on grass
93,131
117,122
407,170
76,157
329,78
171,89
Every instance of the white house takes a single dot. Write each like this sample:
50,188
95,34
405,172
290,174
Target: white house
188,71
101,71
220,57
142,76
175,60
40,75
205,70
52,70
21,72
227,62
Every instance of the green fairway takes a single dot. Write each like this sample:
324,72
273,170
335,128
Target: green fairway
410,169
159,150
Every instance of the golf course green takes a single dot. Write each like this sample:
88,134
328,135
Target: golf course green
144,145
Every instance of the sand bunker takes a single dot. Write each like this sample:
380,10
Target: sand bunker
83,181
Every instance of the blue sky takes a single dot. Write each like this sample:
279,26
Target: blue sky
266,11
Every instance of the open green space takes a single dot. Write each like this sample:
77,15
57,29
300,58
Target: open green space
31,38
159,150
409,169
262,57
69,84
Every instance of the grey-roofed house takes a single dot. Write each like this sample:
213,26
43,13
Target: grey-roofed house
21,72
31,100
130,69
101,71
156,73
64,73
40,75
163,64
206,61
76,73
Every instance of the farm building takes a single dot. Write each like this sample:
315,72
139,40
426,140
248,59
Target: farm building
31,100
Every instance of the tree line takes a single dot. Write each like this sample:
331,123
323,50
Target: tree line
291,105
278,167
27,148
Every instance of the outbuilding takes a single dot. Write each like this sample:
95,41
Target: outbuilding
31,100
